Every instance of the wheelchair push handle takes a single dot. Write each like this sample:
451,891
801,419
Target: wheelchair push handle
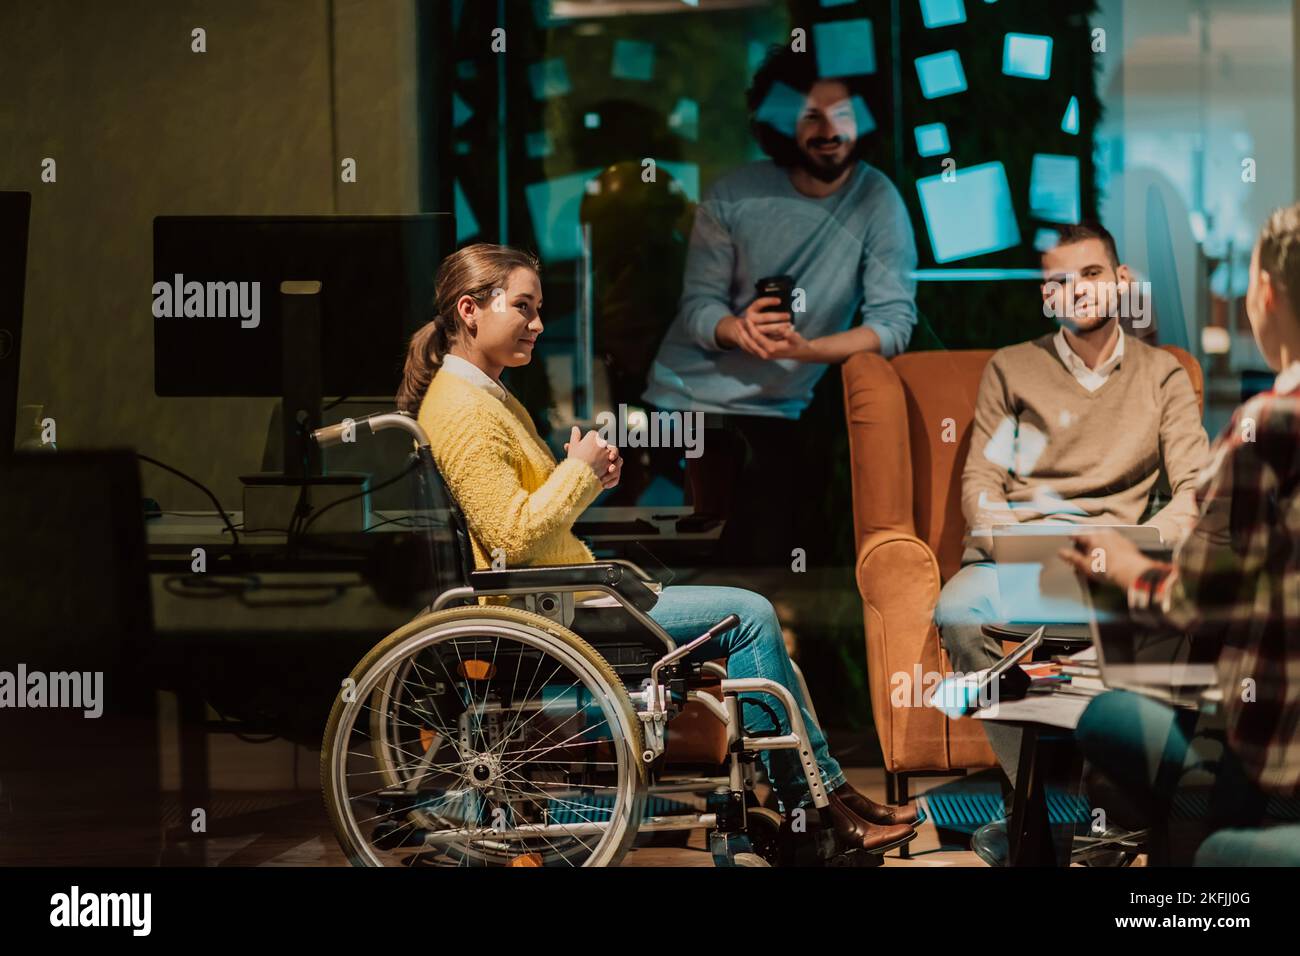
345,431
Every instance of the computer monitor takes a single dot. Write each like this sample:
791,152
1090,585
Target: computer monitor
15,215
377,288
222,326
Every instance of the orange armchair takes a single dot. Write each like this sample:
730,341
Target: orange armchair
908,529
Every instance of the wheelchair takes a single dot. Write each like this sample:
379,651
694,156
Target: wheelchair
488,732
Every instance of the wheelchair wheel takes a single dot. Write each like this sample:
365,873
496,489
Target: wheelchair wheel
484,736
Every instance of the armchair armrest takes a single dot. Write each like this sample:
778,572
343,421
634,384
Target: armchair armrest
568,577
887,556
898,578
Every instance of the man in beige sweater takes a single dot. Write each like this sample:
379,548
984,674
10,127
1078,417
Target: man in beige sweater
1078,426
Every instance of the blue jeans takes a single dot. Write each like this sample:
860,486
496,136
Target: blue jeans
1155,755
969,600
754,648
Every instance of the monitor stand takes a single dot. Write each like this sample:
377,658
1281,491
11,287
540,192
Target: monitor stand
271,499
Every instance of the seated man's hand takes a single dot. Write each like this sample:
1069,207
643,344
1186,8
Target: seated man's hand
1107,556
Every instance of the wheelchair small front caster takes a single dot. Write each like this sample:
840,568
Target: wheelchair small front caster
764,828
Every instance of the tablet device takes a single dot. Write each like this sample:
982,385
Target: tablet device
1034,585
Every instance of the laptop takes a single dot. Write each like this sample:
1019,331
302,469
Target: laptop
1035,586
1164,664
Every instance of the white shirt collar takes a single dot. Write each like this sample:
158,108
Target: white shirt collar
471,373
1288,380
1089,378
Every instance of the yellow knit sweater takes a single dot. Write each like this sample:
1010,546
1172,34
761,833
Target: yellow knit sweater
514,495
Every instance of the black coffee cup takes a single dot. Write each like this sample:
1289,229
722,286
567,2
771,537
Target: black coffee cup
780,286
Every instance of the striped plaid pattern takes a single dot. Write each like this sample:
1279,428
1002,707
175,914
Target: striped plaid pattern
1236,579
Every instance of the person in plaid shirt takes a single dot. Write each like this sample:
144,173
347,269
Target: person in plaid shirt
1236,577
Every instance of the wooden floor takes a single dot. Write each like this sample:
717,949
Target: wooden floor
289,828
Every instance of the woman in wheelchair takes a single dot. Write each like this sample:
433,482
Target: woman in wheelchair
520,505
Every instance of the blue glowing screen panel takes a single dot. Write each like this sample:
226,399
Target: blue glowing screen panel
863,119
780,108
932,139
942,13
971,215
1070,121
548,78
685,177
539,144
1054,188
844,48
940,74
1027,55
684,120
466,222
1045,239
553,206
633,60
461,112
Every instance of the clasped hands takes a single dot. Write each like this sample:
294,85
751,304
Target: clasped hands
602,457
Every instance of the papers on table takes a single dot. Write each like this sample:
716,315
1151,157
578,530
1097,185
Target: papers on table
1057,709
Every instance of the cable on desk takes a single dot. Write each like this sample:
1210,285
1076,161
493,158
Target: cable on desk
208,586
432,525
304,525
234,535
205,587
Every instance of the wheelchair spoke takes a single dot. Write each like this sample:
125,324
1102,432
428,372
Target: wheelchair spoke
576,808
513,728
443,767
570,763
460,661
458,795
555,746
506,737
415,665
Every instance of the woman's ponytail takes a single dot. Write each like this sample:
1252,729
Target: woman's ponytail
423,356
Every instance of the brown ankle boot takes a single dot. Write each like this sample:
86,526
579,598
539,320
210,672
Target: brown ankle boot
856,833
878,813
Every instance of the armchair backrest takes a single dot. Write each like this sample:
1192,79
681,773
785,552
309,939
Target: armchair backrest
909,421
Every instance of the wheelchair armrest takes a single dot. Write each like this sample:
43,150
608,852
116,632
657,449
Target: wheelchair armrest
635,568
570,577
